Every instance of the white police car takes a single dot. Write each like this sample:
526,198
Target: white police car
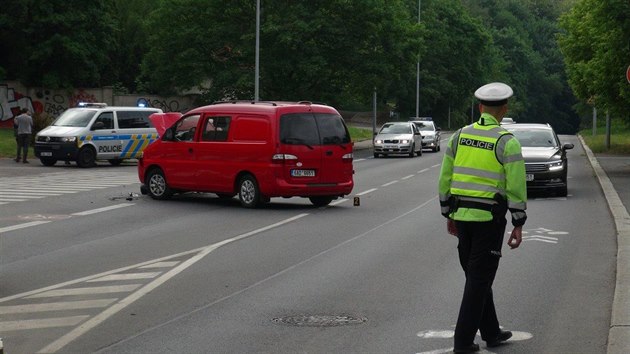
94,131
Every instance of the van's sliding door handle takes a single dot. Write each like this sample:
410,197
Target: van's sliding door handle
329,153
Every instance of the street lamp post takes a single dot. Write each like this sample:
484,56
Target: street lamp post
418,72
256,70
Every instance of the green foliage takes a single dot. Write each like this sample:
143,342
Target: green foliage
596,51
619,138
59,43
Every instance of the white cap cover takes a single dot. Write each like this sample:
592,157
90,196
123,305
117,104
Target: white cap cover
494,92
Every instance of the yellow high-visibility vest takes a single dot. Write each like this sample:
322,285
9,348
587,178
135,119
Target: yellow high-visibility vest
483,161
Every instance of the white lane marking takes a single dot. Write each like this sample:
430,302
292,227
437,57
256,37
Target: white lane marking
444,334
538,239
22,226
359,160
56,306
407,177
100,210
337,202
423,170
45,323
87,291
389,183
12,199
436,165
367,191
23,192
23,196
160,265
126,276
96,320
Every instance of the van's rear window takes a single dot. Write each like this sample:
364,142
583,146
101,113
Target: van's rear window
313,129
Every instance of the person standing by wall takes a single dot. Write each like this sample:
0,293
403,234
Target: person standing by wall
24,123
482,177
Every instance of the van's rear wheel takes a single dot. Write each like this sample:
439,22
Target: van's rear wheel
321,201
248,191
156,184
86,157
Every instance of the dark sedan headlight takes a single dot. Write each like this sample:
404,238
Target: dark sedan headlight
555,165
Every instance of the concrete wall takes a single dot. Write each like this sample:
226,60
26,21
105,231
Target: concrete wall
14,96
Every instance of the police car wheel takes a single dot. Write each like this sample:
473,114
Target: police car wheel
248,191
86,157
157,186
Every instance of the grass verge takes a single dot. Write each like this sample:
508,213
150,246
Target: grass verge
619,139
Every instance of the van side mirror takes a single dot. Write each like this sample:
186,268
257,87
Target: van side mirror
567,146
438,129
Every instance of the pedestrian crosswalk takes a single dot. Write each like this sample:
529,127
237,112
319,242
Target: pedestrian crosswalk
20,189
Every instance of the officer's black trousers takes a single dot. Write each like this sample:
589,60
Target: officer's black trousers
479,253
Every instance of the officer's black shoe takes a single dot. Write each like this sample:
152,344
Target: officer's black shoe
473,348
502,337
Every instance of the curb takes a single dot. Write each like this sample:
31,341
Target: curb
619,332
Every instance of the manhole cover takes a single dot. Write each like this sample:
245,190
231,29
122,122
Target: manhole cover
320,320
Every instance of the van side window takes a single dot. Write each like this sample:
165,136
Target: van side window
216,129
104,121
133,119
185,128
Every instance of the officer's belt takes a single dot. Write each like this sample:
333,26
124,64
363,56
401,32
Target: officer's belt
475,205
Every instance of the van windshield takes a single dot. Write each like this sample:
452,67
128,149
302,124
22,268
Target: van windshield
74,118
313,129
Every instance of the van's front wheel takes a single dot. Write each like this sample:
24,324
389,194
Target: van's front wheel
248,191
321,201
86,157
156,185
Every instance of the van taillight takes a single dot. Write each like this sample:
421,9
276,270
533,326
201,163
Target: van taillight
348,157
281,158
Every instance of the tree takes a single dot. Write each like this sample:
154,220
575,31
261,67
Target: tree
596,51
59,43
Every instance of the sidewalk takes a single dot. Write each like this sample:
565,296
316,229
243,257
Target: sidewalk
613,173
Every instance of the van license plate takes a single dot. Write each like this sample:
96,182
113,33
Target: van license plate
529,177
45,153
303,173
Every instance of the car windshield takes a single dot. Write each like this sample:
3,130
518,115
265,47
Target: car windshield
535,137
396,129
74,118
424,126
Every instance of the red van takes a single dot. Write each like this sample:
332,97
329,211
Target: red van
257,150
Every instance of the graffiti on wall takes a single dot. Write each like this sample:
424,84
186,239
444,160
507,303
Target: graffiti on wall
165,105
11,102
55,102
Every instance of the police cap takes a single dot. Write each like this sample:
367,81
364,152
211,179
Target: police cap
494,94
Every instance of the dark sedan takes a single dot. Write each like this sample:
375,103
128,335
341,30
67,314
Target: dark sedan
545,157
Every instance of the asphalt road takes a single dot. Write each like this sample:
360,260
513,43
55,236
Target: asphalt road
90,271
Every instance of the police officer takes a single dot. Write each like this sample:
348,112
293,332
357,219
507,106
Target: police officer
482,177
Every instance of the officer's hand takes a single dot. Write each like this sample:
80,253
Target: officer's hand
516,237
451,227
